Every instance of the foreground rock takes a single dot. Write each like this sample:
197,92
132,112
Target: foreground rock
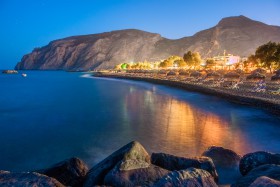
270,170
222,157
190,177
265,182
70,172
27,179
171,162
253,160
127,174
131,151
226,162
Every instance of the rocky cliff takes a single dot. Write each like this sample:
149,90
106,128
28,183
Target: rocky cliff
237,35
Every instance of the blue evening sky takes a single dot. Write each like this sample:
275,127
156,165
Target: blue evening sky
26,24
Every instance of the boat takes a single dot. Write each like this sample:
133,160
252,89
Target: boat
24,74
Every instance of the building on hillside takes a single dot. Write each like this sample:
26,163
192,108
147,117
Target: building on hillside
222,61
226,60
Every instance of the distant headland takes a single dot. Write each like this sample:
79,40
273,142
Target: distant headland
237,35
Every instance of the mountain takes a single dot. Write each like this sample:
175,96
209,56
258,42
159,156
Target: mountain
237,35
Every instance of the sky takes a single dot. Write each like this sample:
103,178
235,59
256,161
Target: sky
27,24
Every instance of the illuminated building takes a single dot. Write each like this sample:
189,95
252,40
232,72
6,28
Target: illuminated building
226,60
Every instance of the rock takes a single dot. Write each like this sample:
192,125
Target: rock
2,171
27,179
131,151
226,162
238,35
130,164
70,172
253,160
172,163
222,157
9,71
125,175
265,182
191,177
270,170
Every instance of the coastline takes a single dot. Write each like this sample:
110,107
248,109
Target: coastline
254,99
132,165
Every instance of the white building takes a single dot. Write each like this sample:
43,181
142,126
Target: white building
226,60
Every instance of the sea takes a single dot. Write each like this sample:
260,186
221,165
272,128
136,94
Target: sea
50,116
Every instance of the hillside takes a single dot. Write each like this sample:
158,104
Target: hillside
237,35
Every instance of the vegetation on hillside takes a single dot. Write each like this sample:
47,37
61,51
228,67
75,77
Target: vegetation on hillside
266,56
190,60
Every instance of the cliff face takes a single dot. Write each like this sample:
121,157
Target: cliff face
92,51
237,35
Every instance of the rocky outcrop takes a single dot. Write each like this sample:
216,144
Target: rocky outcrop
237,35
131,151
171,162
134,173
265,182
253,160
27,179
270,170
9,71
226,162
70,172
222,157
131,165
188,177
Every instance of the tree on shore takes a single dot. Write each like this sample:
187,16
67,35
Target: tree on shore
124,66
180,63
192,59
210,62
267,56
172,61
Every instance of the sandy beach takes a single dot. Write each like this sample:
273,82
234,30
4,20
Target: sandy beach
244,94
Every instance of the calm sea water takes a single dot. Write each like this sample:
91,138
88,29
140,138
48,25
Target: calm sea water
50,116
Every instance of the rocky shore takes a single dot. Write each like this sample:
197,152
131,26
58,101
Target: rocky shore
132,165
9,72
269,102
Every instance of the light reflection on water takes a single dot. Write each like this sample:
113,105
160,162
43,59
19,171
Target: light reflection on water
180,128
51,116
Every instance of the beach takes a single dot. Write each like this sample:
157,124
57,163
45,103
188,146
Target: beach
244,94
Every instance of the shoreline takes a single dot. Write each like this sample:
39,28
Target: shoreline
254,99
132,165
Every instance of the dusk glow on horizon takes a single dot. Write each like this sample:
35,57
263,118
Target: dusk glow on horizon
29,24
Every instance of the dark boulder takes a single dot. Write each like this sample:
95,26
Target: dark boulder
27,179
226,162
70,172
270,170
133,150
222,157
265,182
253,160
190,177
134,173
171,162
